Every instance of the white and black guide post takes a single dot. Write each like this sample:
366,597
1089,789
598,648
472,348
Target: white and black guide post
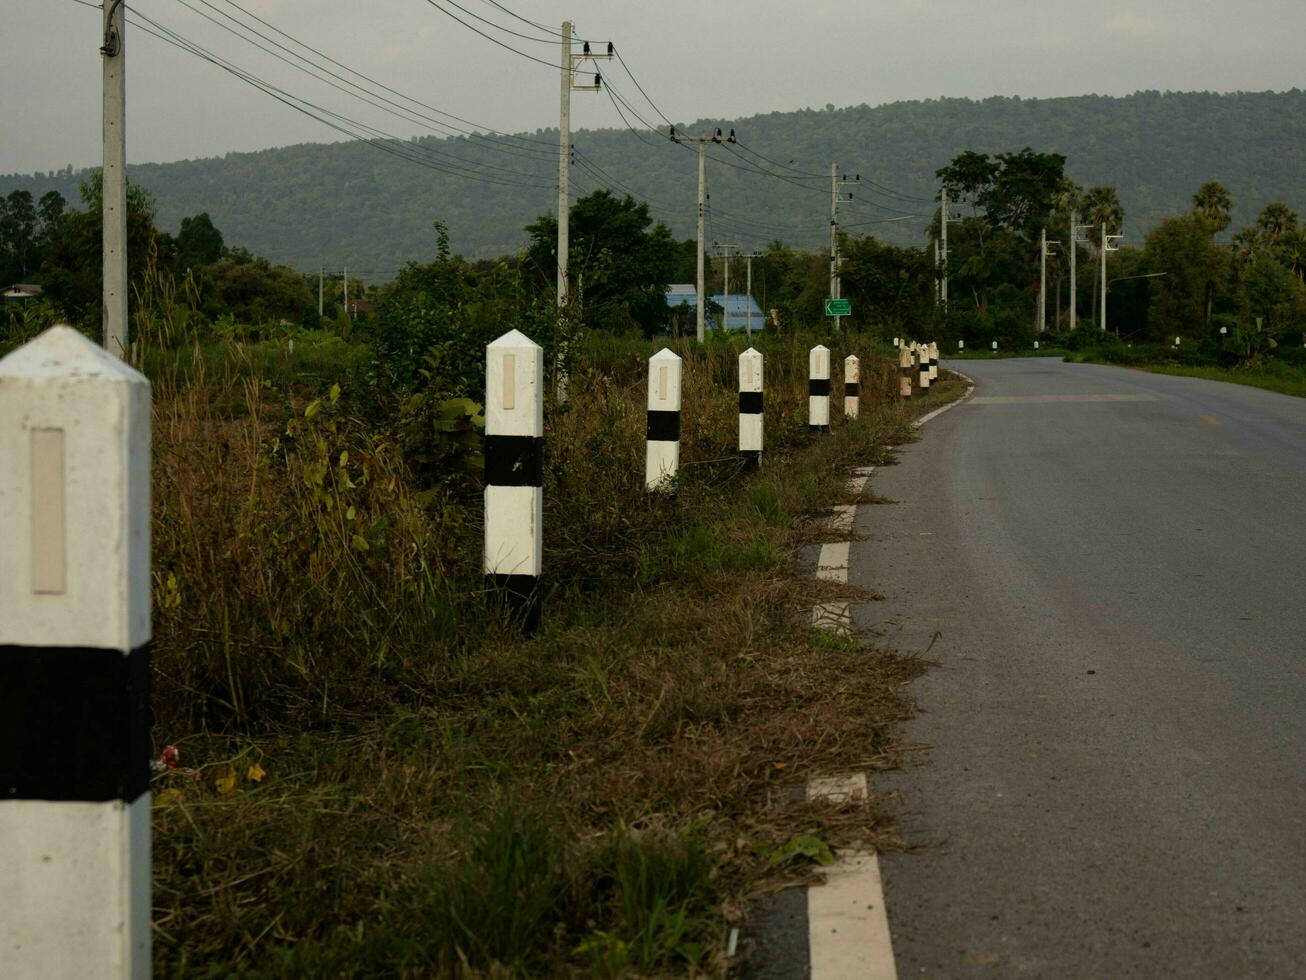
662,456
818,388
904,371
852,386
750,407
514,473
923,367
995,345
934,360
961,345
74,662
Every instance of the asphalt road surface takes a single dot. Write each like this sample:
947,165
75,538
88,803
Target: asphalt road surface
1112,565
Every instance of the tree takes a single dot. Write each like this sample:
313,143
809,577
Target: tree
891,287
1275,220
620,262
1214,203
17,230
198,242
1181,247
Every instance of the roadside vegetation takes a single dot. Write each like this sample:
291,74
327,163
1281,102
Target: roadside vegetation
377,774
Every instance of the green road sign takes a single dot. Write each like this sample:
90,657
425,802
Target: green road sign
838,307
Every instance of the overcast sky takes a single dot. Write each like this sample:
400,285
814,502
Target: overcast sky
695,58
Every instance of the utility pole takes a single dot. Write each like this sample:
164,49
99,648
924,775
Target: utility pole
1043,279
938,295
748,257
114,179
321,279
943,234
1106,247
345,275
1074,248
835,182
702,142
569,64
725,248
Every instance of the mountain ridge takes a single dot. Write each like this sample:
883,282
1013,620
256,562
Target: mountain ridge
346,203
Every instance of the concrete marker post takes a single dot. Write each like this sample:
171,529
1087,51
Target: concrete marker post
923,367
74,662
751,418
514,473
995,346
934,360
662,453
852,386
904,373
961,345
818,388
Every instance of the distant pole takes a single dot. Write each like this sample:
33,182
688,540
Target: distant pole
74,662
1042,279
818,388
564,160
852,388
1103,297
725,278
834,232
514,473
702,212
345,275
750,407
938,273
749,259
321,280
943,231
114,179
662,444
1074,249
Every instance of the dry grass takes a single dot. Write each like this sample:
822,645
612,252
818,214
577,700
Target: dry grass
371,736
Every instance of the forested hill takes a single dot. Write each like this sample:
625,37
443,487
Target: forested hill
350,203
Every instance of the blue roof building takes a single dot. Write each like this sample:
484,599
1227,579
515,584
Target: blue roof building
685,295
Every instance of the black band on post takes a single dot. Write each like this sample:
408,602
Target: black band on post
750,403
663,426
851,389
818,386
74,723
520,594
514,461
752,458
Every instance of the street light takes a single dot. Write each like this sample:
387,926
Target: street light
1147,275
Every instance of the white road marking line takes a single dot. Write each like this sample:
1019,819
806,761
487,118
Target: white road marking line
848,928
843,517
832,565
1051,399
939,411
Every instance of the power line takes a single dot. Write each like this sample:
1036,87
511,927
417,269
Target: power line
617,52
493,40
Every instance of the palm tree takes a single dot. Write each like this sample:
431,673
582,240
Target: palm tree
1275,220
1214,204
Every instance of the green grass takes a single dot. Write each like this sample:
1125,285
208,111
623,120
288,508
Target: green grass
393,782
1269,373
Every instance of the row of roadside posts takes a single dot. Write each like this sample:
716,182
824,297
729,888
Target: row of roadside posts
75,613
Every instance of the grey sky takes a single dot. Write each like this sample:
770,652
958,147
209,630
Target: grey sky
696,58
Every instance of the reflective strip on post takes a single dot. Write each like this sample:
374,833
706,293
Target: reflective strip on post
514,473
74,661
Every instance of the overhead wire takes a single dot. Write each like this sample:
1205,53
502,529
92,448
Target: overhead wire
494,40
369,98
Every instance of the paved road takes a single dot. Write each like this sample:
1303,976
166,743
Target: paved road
1115,565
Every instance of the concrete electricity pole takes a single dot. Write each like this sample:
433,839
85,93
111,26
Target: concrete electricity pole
1043,280
569,64
321,278
702,142
943,235
1106,247
748,257
725,248
114,179
835,182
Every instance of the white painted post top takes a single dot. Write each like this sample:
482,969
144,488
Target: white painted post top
852,370
74,496
961,345
934,349
995,345
750,370
818,362
514,386
664,381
